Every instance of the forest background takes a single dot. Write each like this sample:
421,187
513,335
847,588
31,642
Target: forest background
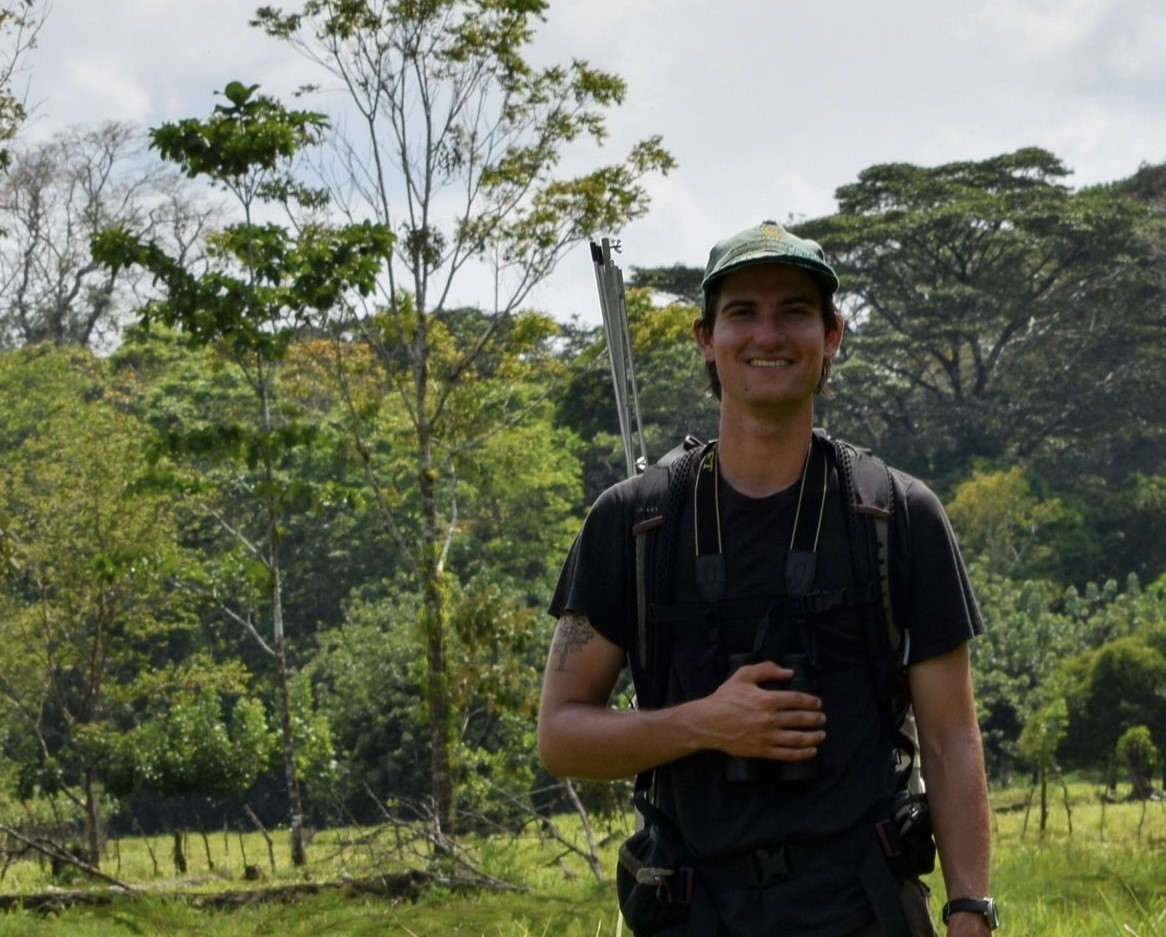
278,524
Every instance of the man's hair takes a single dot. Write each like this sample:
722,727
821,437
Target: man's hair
831,318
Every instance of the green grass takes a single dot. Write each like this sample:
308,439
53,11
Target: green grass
1107,878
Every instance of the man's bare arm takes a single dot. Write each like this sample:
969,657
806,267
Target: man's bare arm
953,767
580,736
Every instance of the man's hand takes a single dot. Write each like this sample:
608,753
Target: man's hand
746,719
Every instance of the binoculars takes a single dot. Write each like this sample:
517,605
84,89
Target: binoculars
744,770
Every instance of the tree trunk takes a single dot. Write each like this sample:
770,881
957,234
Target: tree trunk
1140,779
432,591
437,681
179,852
298,852
279,646
92,822
1044,799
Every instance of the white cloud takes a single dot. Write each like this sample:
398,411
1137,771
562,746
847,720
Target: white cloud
1031,30
122,95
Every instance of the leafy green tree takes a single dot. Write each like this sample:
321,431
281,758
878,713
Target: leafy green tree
188,749
976,290
1027,638
1042,736
517,490
1136,750
1012,530
458,149
1111,690
249,306
1041,643
497,644
191,749
86,615
368,674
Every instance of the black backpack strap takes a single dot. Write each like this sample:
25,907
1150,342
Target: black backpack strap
659,498
870,492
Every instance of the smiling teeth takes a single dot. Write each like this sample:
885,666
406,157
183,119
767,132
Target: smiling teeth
760,363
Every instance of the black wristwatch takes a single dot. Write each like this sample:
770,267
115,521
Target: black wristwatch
986,907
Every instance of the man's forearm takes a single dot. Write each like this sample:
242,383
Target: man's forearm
961,820
601,744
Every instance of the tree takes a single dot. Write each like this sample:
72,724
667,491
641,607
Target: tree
22,20
977,289
679,282
1111,690
1042,736
56,196
249,307
457,148
187,749
85,613
1136,750
1010,528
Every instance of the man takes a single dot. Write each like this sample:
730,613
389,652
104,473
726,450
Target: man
746,768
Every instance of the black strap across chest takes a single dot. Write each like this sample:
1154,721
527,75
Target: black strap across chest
802,559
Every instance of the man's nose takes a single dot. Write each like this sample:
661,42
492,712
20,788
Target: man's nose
770,328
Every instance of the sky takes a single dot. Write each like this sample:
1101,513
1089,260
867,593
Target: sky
767,105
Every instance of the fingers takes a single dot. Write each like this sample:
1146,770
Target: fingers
750,716
771,679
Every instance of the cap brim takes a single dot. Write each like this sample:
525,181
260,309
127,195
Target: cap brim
819,271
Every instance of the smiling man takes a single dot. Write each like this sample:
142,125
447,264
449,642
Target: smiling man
767,744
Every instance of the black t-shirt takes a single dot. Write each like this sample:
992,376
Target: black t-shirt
718,816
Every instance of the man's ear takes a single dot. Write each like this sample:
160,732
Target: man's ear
703,337
834,336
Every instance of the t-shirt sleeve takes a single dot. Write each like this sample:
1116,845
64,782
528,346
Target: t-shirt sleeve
941,611
598,577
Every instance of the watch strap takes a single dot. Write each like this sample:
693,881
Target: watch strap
985,907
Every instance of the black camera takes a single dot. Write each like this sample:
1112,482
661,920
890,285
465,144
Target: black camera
742,770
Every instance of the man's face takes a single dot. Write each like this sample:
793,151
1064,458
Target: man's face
769,339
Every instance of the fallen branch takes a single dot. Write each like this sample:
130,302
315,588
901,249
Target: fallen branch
53,851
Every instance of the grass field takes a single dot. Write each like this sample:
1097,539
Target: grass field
1096,870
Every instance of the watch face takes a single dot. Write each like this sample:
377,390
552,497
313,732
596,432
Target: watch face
992,914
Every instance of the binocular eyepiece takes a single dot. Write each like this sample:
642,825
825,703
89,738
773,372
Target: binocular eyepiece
744,770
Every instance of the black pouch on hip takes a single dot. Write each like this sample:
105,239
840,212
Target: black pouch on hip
654,881
906,837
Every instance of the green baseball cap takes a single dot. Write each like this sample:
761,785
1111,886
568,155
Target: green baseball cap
769,243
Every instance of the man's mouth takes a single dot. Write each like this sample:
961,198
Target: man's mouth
769,363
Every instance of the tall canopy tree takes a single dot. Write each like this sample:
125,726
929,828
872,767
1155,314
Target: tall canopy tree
264,283
456,146
992,309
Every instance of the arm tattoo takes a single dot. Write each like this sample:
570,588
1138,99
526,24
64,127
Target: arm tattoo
573,633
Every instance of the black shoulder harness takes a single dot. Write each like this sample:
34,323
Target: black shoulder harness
869,492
